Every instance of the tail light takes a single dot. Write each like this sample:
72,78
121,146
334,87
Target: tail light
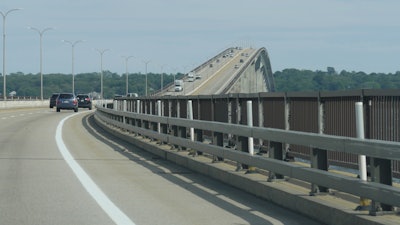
87,99
75,101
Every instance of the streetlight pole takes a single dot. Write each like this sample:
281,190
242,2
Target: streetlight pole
146,62
4,50
73,76
175,71
126,73
162,78
101,52
41,57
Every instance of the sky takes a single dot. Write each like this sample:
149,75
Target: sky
178,35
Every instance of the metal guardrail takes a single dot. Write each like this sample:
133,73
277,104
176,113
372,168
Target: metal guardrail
383,195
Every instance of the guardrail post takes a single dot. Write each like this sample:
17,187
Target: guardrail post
174,129
243,145
198,137
319,160
381,172
164,127
157,108
145,123
218,140
241,142
319,157
181,130
159,113
190,117
276,152
138,110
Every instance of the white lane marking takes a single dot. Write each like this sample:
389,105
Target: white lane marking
97,194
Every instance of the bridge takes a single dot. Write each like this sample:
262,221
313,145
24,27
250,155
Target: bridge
139,157
234,70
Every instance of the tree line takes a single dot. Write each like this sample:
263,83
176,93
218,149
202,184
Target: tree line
306,80
287,80
113,83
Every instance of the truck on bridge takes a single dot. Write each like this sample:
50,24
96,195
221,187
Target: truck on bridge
178,85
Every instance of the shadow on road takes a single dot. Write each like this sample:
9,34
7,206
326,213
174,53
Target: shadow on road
235,201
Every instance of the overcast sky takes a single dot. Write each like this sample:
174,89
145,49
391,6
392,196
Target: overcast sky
352,35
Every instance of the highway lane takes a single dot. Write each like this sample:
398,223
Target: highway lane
38,187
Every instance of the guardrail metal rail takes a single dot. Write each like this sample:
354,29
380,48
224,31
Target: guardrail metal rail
222,118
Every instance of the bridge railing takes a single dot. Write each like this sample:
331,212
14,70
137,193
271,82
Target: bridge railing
140,116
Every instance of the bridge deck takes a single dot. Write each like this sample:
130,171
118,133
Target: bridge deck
216,73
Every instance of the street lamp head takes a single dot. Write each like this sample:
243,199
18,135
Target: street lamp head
128,57
6,13
101,51
73,43
40,32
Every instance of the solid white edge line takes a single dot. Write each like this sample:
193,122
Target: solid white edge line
97,194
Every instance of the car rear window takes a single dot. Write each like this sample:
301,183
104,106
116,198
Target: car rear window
66,96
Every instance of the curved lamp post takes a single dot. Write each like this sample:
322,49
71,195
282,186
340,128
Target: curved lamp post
73,76
4,50
126,73
101,52
40,32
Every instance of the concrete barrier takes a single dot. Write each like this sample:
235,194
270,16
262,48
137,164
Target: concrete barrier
23,104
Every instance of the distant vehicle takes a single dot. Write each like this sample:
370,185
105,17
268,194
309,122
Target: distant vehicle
67,101
198,76
236,66
191,77
84,101
241,60
178,85
53,99
132,95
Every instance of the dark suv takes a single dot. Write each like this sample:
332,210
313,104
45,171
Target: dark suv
67,101
84,101
53,99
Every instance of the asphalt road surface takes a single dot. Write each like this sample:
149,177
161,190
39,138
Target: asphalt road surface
59,168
